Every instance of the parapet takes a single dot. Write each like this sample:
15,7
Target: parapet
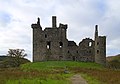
63,26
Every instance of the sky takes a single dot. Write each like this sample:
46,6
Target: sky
16,17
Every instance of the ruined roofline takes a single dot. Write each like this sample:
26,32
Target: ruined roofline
72,43
36,25
54,24
65,26
102,36
87,38
96,32
50,28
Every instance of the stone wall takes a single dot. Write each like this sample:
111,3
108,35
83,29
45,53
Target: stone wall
52,44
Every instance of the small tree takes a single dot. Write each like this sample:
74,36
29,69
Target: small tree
18,53
16,56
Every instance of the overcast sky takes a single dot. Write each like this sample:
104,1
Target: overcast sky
16,17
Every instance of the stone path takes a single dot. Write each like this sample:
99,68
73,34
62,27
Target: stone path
77,79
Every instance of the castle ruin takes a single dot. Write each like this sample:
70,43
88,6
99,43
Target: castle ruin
52,44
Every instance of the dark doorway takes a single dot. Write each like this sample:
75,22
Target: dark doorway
73,58
60,57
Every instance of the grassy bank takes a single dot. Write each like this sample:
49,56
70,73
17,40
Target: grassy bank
60,64
53,72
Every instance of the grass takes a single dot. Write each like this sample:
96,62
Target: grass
52,72
37,81
104,76
90,79
59,64
18,76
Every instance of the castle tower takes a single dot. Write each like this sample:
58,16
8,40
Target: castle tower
100,48
37,30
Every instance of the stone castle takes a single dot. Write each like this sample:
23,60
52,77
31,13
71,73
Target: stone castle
52,44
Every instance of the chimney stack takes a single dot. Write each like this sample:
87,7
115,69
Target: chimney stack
54,23
96,31
96,28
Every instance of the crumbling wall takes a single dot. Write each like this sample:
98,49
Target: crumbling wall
86,49
52,44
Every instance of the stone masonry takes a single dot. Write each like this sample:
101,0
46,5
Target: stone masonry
52,44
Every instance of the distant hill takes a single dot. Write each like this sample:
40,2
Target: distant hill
114,62
111,58
2,57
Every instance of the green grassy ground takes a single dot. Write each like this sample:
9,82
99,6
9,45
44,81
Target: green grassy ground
60,64
37,81
53,72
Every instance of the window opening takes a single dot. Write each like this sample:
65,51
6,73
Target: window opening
60,44
48,45
97,51
68,51
90,44
77,51
45,36
97,43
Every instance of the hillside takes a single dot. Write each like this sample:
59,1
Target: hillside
58,72
92,72
111,58
113,62
2,58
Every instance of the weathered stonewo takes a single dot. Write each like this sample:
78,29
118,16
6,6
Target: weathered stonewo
52,44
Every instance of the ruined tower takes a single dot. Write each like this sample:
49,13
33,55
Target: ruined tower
51,43
37,38
100,47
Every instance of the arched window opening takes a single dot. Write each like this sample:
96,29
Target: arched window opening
90,44
48,45
98,51
60,44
